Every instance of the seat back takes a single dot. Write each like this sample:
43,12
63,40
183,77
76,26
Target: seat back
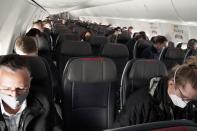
44,48
88,94
173,56
97,43
69,49
119,54
139,47
137,74
40,73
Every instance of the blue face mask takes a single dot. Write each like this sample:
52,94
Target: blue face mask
13,102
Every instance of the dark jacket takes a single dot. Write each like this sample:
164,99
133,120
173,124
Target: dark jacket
37,116
150,53
141,107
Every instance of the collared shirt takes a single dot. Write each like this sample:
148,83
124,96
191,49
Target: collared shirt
12,120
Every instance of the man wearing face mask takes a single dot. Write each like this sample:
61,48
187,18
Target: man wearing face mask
20,109
154,51
169,99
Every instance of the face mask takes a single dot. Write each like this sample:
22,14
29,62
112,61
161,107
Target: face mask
13,102
177,101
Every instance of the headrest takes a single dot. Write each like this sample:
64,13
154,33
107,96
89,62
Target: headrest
147,69
143,43
174,53
75,48
90,70
115,50
68,36
42,43
37,68
98,40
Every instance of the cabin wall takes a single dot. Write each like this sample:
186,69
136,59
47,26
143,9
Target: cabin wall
174,31
16,17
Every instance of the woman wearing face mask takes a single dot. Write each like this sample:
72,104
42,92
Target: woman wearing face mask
171,98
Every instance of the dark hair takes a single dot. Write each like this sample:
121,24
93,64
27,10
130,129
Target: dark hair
153,39
130,27
14,62
160,39
171,44
191,43
179,45
33,32
143,34
83,37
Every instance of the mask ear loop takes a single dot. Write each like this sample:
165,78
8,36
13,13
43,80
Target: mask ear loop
174,78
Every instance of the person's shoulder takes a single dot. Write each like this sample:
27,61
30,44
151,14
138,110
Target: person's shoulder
38,99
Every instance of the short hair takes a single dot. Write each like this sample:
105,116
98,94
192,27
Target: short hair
130,27
160,39
191,43
26,45
33,32
14,62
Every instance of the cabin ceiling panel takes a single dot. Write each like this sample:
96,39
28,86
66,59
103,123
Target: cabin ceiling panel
173,10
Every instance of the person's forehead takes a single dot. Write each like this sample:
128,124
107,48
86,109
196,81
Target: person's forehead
189,90
19,73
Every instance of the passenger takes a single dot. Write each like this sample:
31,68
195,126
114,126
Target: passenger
26,46
171,44
192,44
179,45
145,37
33,32
170,99
86,35
112,37
47,32
154,51
130,29
38,25
22,109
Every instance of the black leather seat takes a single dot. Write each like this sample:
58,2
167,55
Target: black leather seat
44,48
89,94
172,57
139,47
137,74
176,125
69,49
41,75
97,43
119,54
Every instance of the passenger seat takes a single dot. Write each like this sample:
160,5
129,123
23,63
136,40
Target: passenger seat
89,94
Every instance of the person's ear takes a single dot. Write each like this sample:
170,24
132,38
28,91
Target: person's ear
171,82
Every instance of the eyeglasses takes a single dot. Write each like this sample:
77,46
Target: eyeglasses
181,95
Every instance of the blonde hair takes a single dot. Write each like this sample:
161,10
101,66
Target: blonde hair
185,73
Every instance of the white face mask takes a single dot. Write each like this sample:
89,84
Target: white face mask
13,102
177,101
